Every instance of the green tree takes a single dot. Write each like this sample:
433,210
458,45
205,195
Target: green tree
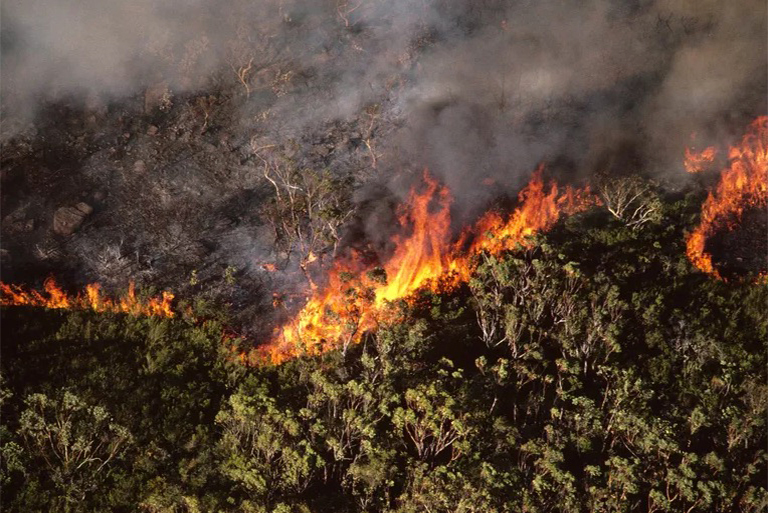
74,442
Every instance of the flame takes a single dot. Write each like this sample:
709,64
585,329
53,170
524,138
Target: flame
743,184
423,256
696,162
540,207
55,297
356,296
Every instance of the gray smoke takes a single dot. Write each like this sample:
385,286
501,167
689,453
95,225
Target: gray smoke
473,90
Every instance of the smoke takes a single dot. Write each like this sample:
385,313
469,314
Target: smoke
479,92
108,49
600,87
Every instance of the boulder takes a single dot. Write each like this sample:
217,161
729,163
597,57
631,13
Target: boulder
66,220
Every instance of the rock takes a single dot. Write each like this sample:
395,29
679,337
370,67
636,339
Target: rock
140,167
84,207
321,150
66,220
152,130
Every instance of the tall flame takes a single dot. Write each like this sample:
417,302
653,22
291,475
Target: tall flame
423,256
743,184
55,297
346,307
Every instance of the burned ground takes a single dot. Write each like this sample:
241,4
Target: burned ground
173,193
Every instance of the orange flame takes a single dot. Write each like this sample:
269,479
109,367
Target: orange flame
55,297
347,307
423,256
743,184
696,162
539,209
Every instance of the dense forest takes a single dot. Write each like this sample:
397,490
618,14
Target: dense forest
594,370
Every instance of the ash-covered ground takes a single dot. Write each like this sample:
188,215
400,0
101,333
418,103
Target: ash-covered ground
215,147
177,192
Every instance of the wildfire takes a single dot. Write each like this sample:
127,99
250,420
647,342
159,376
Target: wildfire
423,256
540,207
55,297
356,296
696,162
743,184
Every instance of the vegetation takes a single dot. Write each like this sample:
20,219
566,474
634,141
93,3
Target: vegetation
595,372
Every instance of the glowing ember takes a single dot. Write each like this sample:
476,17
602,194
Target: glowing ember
345,308
696,162
54,297
743,184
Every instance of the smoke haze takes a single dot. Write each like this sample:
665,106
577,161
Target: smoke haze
478,92
497,84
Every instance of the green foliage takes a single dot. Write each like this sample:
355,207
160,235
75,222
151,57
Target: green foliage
73,442
265,449
595,372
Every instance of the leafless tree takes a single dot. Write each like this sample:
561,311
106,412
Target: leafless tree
308,208
632,200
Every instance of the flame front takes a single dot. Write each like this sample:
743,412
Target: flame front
346,307
356,295
743,184
540,207
55,297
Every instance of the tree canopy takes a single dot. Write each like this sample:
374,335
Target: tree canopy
595,371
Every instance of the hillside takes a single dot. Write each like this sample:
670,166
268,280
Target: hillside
383,256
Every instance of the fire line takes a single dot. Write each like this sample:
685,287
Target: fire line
54,297
357,295
339,313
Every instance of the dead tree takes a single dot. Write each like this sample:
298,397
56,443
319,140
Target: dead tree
632,200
